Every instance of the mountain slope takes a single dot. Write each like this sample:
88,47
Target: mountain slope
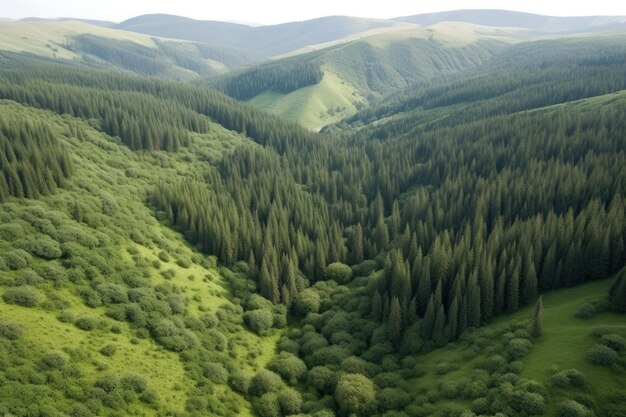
539,23
362,70
107,47
270,40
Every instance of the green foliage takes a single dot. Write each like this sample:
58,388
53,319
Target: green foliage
53,360
10,330
585,311
355,393
216,373
570,377
290,401
617,293
338,272
571,408
86,323
288,366
265,381
24,296
614,341
109,349
258,320
16,259
602,355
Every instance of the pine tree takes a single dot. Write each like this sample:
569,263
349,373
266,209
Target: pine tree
536,330
394,323
428,322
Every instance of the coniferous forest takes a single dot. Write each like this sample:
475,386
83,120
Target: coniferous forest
456,248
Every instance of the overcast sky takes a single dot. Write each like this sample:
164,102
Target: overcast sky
279,11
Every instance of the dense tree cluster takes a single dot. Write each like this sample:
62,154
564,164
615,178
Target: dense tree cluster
32,161
282,77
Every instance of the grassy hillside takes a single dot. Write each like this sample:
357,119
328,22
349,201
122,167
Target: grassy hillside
371,67
108,47
452,374
329,101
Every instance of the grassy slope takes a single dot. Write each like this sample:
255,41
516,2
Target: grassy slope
315,106
104,170
374,63
563,346
48,38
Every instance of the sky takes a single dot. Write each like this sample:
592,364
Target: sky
280,11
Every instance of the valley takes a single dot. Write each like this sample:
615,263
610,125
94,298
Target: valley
418,216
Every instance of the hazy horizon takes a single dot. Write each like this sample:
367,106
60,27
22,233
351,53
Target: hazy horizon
278,11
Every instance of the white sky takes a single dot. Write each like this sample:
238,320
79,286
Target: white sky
279,11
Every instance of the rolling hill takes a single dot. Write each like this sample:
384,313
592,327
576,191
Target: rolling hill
269,40
534,22
107,47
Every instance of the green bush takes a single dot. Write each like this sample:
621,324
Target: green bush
392,399
86,323
449,389
585,311
183,262
614,341
135,383
240,382
322,379
24,296
571,408
355,393
307,301
258,320
265,381
602,355
290,401
288,366
216,373
42,246
53,360
16,259
518,348
338,272
10,330
267,405
164,256
530,403
109,349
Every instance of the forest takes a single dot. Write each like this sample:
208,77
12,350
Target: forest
418,258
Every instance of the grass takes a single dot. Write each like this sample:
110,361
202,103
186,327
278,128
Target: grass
315,106
563,346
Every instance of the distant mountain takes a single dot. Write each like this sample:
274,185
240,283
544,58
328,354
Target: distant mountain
99,46
271,40
326,85
505,18
102,23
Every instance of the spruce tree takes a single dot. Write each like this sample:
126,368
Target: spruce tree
536,330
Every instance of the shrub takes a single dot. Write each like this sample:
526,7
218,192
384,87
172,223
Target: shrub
571,408
529,402
355,393
42,246
392,399
288,366
16,259
265,381
585,311
258,320
10,330
307,301
602,355
216,372
24,296
109,349
365,268
338,272
107,383
518,348
290,401
240,382
86,323
614,341
183,262
449,389
322,379
267,406
53,360
135,383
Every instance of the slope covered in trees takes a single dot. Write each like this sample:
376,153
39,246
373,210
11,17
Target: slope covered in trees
348,254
